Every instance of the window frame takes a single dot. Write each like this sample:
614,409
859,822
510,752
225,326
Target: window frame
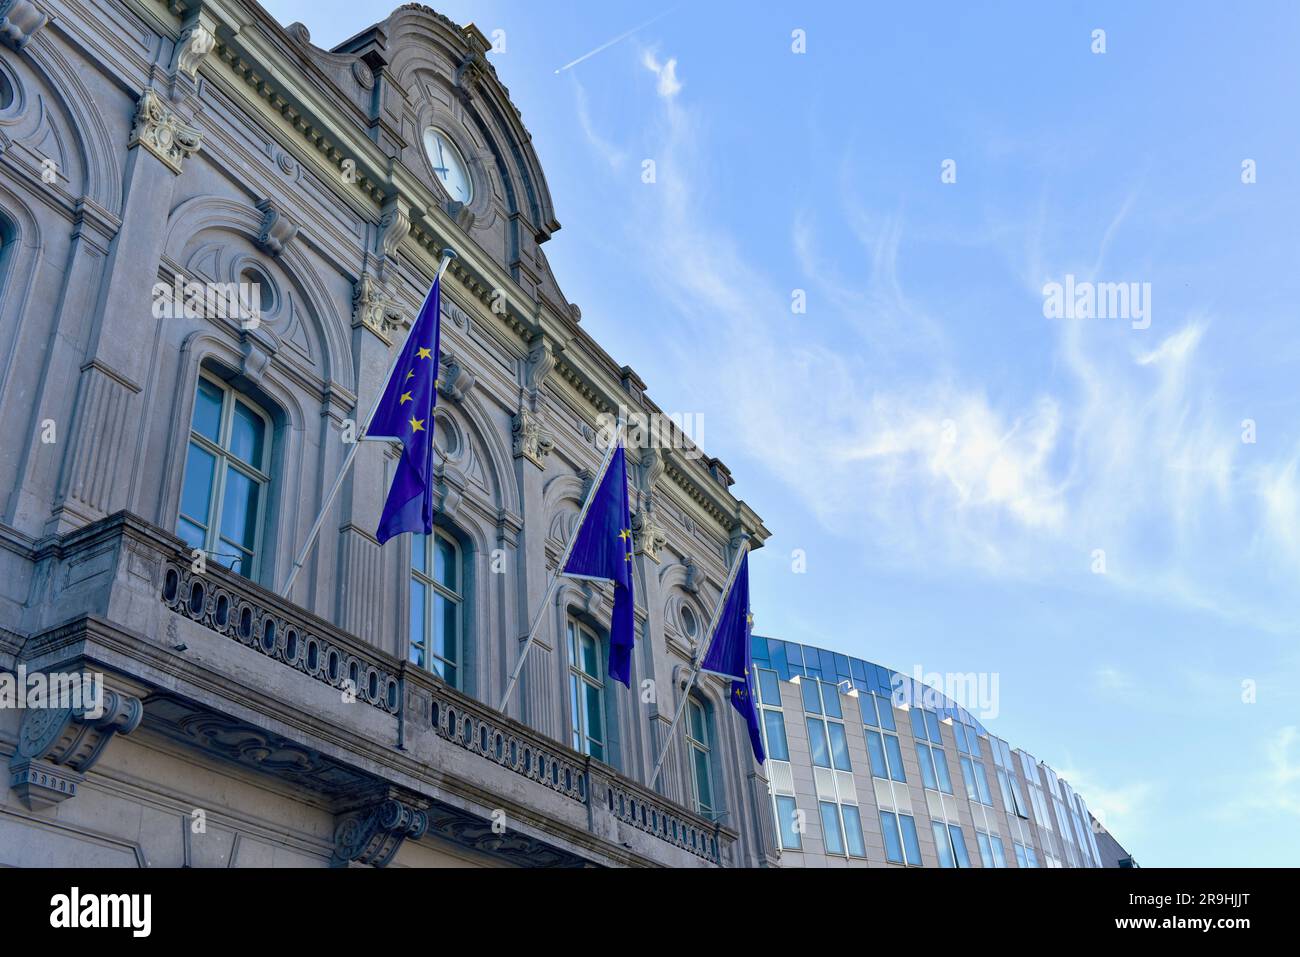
223,459
433,587
696,747
579,735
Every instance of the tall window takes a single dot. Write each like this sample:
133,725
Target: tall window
901,844
830,747
934,768
587,691
223,497
775,745
882,746
698,737
950,844
438,605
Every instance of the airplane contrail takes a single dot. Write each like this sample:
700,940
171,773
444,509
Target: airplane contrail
618,39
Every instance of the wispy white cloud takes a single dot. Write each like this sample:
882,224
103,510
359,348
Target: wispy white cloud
668,85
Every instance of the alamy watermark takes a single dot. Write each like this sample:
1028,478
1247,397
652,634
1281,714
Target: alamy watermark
83,691
681,431
1074,299
976,691
240,301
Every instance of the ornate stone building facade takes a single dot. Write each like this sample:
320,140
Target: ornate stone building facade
149,145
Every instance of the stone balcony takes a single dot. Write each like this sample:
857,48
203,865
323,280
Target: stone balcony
225,666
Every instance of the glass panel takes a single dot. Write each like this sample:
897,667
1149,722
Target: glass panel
190,533
831,828
886,715
910,840
777,749
973,740
1020,856
596,750
417,623
941,769
986,852
941,842
959,845
876,752
697,721
853,831
703,780
959,735
247,431
932,723
817,743
968,777
999,852
895,759
207,410
196,494
831,699
418,559
239,508
982,783
769,686
445,572
839,747
918,723
446,628
786,816
812,702
927,767
893,847
575,714
590,655
594,723
867,705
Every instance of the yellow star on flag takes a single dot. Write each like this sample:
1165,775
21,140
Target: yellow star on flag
423,354
405,397
417,425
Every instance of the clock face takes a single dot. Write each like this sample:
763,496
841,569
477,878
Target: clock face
448,165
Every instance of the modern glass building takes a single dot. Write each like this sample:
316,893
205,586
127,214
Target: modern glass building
869,768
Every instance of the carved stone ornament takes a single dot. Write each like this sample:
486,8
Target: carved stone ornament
58,746
541,361
159,130
532,440
374,835
195,43
648,535
19,22
277,229
393,227
454,380
373,308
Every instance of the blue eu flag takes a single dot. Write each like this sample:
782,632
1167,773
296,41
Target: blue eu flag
405,413
602,548
730,654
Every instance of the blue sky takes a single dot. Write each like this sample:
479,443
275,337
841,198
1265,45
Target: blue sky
948,459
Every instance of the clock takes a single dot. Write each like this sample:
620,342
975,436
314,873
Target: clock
448,165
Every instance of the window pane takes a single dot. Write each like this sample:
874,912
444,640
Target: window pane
968,777
703,780
910,840
886,715
697,720
876,752
769,686
927,767
959,734
999,852
446,629
196,495
831,699
590,655
918,722
1020,856
889,827
812,701
973,740
417,623
786,814
817,743
959,845
867,705
239,508
247,432
932,724
777,749
831,828
445,572
982,783
895,755
575,713
593,720
853,831
986,852
941,769
839,747
941,842
418,560
190,533
207,410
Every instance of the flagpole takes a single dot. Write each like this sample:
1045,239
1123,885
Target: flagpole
699,659
559,569
448,254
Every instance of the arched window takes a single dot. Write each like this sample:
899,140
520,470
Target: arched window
699,740
587,709
227,481
438,606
